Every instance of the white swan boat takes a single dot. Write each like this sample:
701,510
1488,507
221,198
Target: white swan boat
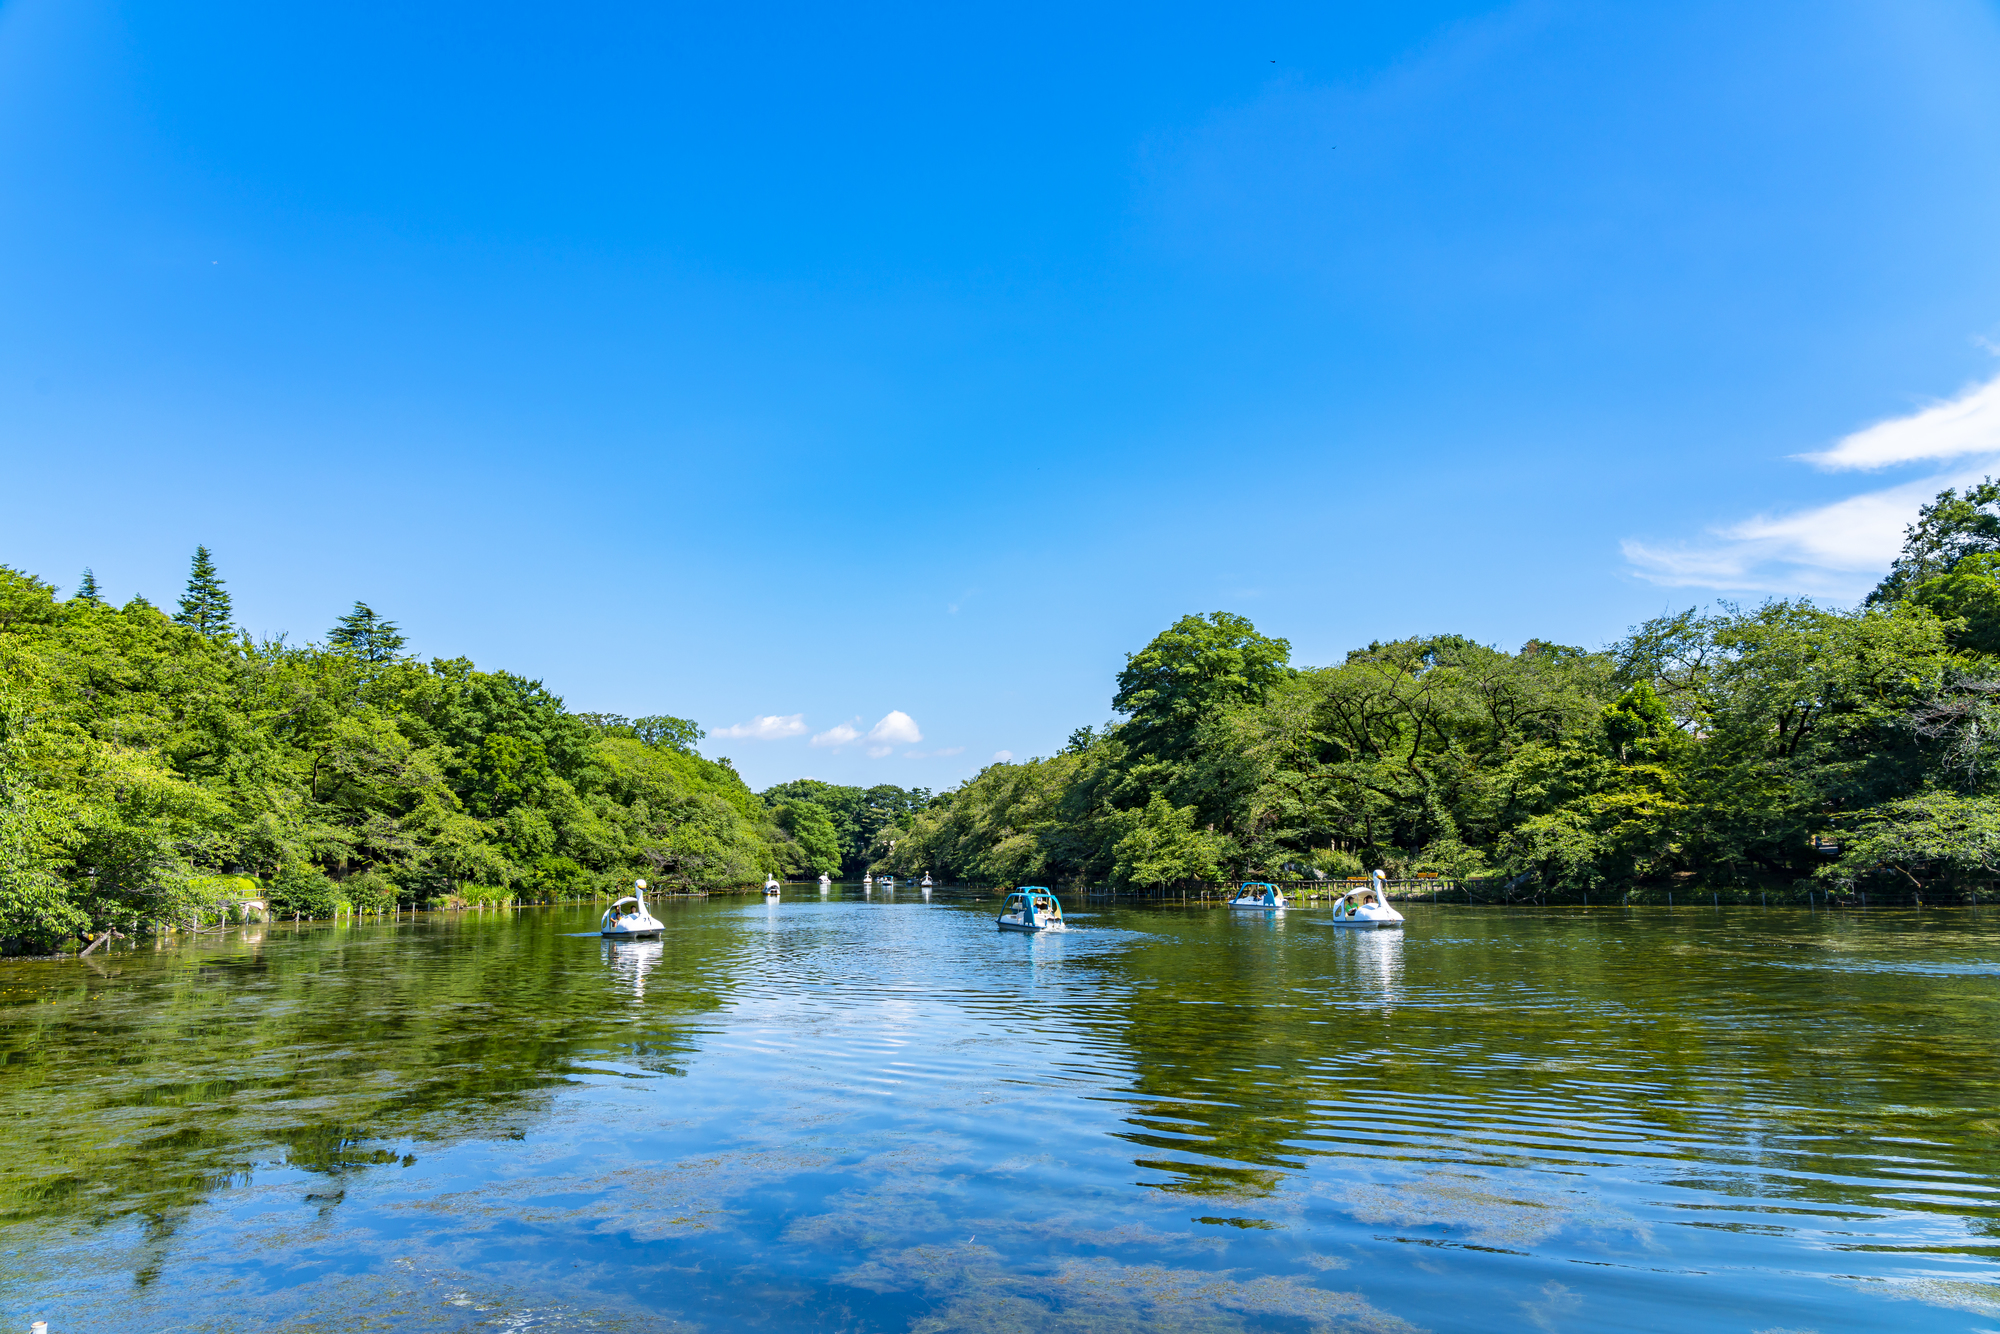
1367,906
825,880
770,887
1031,908
1261,896
927,880
622,923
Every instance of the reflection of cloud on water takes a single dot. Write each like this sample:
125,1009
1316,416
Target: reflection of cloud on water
979,1287
1485,1209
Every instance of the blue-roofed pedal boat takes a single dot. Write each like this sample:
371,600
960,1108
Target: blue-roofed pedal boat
1031,908
1259,895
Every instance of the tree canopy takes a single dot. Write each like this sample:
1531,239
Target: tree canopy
149,765
1731,746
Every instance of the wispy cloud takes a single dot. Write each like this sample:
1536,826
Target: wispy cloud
1840,549
837,735
1002,756
1968,424
770,727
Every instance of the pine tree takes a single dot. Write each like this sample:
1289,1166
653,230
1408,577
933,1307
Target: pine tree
87,591
366,635
205,605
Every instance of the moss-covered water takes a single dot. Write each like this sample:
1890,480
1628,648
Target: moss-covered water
837,1114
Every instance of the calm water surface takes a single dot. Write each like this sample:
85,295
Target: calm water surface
831,1114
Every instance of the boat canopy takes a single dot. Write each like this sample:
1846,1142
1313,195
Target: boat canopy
622,902
1258,884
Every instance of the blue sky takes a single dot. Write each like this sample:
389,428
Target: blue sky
882,375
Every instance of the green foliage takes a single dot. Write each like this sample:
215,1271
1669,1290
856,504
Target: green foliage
1931,838
1711,744
812,830
366,635
86,590
1947,530
1164,847
654,730
1968,592
205,606
306,891
865,820
141,758
1195,666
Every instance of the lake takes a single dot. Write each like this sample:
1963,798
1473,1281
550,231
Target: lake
846,1115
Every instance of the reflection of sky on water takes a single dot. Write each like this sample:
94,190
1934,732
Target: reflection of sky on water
889,1116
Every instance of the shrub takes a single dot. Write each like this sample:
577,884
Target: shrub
305,890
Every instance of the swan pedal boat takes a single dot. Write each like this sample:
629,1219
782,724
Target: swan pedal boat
770,887
1261,896
622,924
1366,906
1031,908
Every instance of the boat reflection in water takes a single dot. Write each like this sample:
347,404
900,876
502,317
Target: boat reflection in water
631,960
1375,963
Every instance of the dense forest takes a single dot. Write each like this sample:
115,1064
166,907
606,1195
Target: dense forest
154,765
1783,748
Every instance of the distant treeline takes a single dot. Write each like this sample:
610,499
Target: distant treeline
154,767
1783,747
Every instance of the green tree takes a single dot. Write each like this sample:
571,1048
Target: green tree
1165,847
366,635
661,729
86,591
812,829
1917,842
1947,530
205,606
1969,591
1197,665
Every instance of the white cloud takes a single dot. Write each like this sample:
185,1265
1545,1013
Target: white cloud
1968,424
1838,550
1002,756
771,727
837,735
896,728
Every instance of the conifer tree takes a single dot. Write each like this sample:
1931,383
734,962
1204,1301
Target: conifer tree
366,635
87,591
205,605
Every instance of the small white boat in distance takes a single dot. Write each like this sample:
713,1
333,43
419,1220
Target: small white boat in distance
1031,908
770,886
927,880
1367,906
623,923
1261,895
867,880
825,880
